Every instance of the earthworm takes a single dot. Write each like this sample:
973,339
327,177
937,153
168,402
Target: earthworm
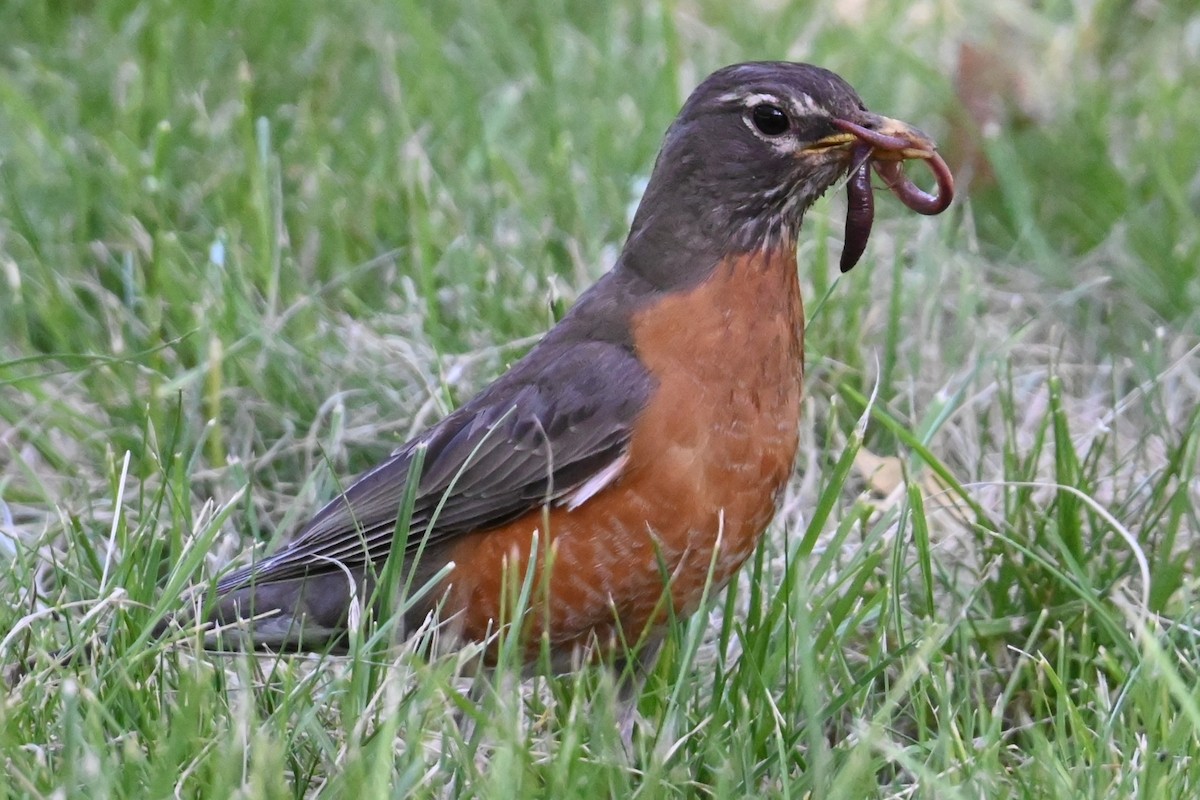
860,211
912,195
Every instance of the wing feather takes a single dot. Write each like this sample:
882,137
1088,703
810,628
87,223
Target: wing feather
560,418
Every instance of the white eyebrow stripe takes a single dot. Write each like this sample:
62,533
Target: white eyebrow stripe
748,99
801,105
755,98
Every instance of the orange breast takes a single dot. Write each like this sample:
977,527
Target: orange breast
708,460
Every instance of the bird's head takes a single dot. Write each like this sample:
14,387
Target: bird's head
757,143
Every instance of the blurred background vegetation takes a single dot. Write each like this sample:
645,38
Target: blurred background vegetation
257,245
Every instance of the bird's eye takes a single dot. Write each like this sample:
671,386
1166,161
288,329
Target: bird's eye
770,120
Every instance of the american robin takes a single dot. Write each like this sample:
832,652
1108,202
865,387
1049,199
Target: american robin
645,441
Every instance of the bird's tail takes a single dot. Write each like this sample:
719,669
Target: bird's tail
310,613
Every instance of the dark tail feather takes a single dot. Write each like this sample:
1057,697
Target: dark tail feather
310,613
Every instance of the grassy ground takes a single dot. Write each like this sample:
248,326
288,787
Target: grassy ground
246,249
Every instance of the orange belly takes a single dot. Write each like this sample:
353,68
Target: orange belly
708,460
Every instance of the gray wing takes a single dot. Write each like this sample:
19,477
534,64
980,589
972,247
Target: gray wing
559,417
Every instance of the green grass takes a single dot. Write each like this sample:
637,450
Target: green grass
253,247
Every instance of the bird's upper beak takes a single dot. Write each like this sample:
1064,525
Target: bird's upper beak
890,139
